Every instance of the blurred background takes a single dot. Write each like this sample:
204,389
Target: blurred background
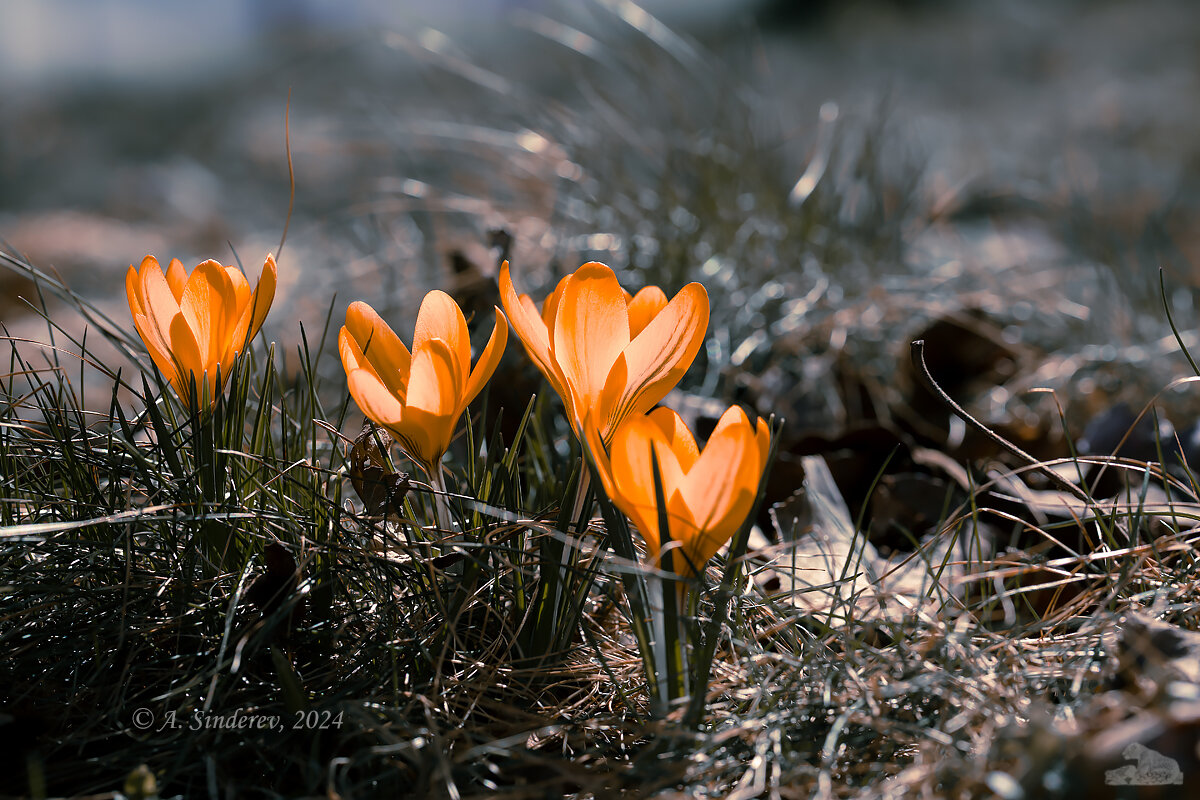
843,176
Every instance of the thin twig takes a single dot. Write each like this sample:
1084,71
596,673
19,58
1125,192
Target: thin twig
287,144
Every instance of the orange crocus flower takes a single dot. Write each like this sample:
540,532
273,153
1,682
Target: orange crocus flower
195,325
708,494
417,397
608,354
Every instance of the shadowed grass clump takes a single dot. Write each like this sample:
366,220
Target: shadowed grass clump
146,610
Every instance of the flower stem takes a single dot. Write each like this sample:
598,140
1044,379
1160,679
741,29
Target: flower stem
585,481
441,504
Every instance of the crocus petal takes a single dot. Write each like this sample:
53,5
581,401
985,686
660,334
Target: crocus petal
157,347
594,446
436,382
528,323
713,533
643,307
683,529
762,438
434,388
708,496
440,318
158,303
186,353
550,305
373,398
591,328
263,294
652,364
241,289
633,476
676,435
642,515
723,481
207,298
176,278
379,345
132,289
488,360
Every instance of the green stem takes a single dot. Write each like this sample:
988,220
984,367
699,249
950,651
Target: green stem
585,482
441,504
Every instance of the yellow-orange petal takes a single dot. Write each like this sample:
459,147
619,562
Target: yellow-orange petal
352,358
550,305
257,304
726,472
241,289
373,398
643,307
683,529
439,317
160,353
158,303
176,278
434,389
146,327
488,361
762,438
351,354
527,322
594,446
207,299
186,354
263,294
379,345
707,539
435,383
132,290
632,503
654,362
591,329
633,475
677,436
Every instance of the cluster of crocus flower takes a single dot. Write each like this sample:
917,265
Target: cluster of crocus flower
611,357
196,325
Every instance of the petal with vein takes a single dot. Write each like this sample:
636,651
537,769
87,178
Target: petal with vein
653,363
132,292
186,353
160,353
388,357
726,468
434,388
158,302
203,308
591,328
176,278
241,289
373,398
643,307
440,318
263,294
677,436
488,360
550,305
527,322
